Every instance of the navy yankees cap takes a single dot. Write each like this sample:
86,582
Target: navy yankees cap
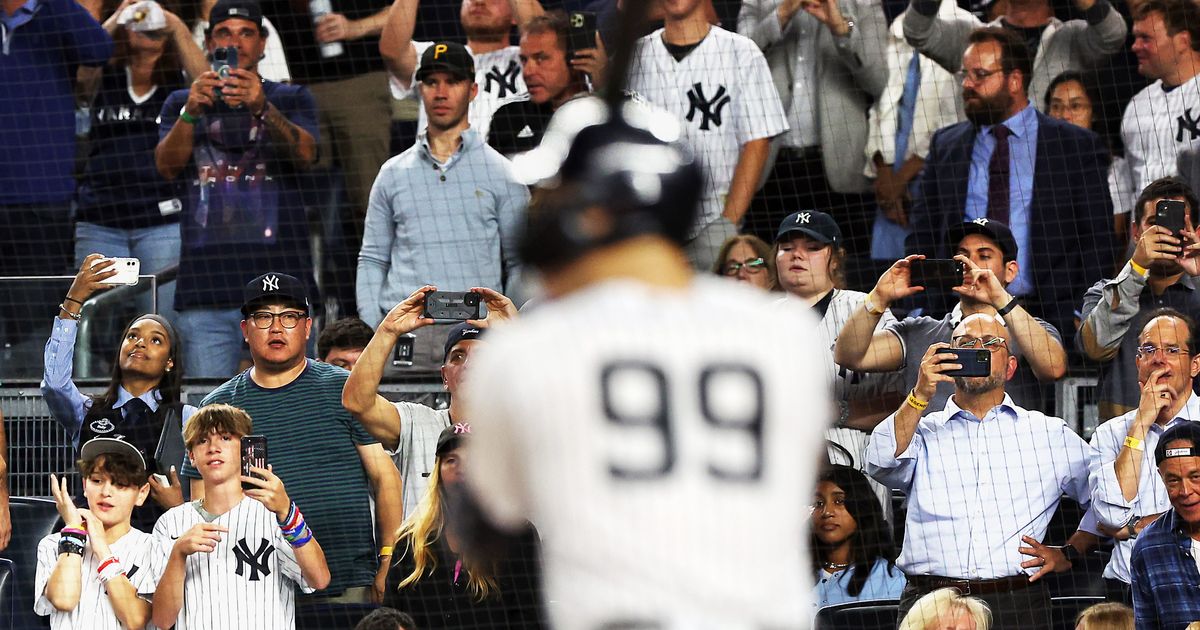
995,230
461,332
274,287
452,437
235,9
1186,430
811,223
448,57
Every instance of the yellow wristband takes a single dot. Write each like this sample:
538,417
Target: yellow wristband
869,304
1138,269
1134,443
914,402
386,551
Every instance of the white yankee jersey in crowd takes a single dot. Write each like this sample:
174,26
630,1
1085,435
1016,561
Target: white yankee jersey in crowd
140,556
1157,125
724,96
498,74
249,581
665,443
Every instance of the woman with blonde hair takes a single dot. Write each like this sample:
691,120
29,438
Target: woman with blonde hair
1106,616
442,587
945,609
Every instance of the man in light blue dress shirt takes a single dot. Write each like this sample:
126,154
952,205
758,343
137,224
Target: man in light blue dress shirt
983,478
1127,492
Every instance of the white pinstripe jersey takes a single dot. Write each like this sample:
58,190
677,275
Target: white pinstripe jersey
664,443
722,93
139,555
248,581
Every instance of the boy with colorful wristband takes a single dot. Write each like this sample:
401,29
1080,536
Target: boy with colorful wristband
99,572
253,546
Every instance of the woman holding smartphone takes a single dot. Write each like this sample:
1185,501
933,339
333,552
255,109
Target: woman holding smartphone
142,401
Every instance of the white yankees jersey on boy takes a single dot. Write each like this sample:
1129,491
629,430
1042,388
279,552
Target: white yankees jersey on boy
498,74
248,581
663,441
1157,125
141,558
724,97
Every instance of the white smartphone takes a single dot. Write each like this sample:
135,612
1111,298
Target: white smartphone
162,479
127,270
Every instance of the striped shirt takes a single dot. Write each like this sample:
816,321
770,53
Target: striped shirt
249,580
142,560
313,445
1165,576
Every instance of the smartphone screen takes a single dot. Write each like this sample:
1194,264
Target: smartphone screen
254,453
936,273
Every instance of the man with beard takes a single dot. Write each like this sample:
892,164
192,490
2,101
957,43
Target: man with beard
1160,273
983,477
1044,178
487,24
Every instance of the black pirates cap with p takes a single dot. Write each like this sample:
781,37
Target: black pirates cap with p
995,230
274,287
811,223
235,9
448,57
461,332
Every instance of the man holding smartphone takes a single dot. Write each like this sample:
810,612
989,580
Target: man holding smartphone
979,475
1161,273
989,252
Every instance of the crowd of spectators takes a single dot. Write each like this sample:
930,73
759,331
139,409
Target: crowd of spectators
845,144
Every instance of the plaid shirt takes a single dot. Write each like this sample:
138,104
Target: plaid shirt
1166,583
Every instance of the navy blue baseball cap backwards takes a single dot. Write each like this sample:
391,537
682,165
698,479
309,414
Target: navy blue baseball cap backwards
1186,430
995,230
274,287
811,223
461,332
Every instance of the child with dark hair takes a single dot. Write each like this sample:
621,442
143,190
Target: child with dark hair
99,572
852,550
386,619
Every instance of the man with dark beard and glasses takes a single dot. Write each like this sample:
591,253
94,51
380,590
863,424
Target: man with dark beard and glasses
1046,179
983,477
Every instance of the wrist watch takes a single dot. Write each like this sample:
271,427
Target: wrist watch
1071,553
1131,527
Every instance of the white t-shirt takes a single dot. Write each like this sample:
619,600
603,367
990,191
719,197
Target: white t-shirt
273,66
663,442
249,581
498,74
1156,126
724,96
142,560
420,427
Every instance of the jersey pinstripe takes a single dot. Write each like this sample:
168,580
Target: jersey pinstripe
1157,125
649,433
248,581
141,557
722,93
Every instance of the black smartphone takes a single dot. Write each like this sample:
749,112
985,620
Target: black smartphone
254,453
974,361
1170,213
402,355
223,61
454,305
936,273
581,32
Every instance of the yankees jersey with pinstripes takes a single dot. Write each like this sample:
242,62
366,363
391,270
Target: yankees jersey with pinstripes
1156,126
724,96
142,559
497,73
248,581
664,443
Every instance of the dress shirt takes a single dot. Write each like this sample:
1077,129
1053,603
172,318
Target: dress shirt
1165,595
884,582
67,404
1022,156
975,487
1111,507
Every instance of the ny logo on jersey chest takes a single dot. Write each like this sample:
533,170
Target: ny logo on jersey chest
258,560
1186,121
708,108
506,80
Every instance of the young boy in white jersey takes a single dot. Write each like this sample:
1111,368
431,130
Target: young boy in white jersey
252,547
99,571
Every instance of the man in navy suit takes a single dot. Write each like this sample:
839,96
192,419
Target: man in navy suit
1045,179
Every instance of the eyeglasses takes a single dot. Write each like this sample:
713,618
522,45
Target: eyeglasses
976,75
754,265
1148,350
287,319
991,344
